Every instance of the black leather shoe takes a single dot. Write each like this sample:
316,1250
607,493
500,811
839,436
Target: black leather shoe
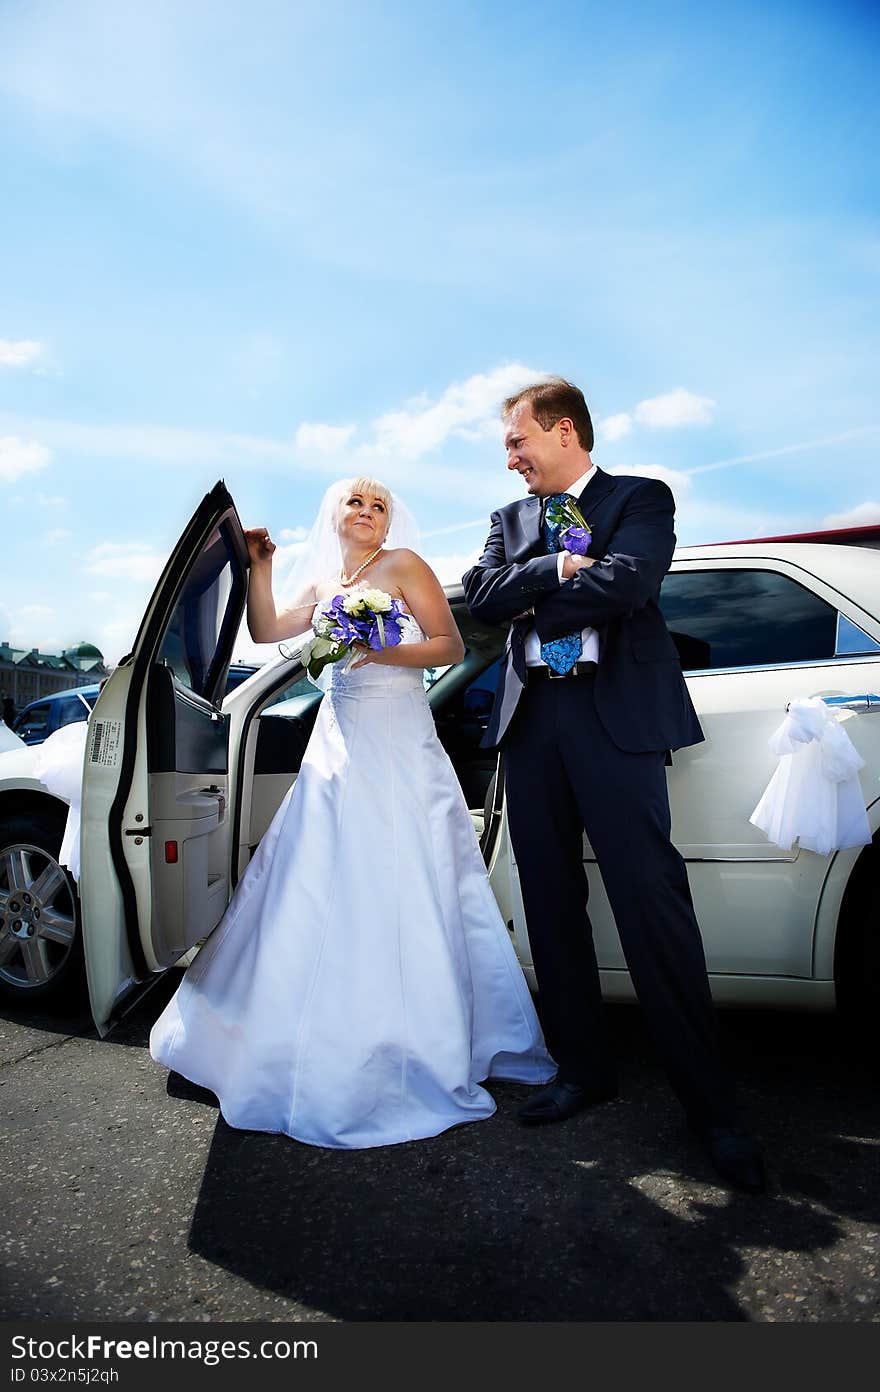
736,1156
561,1100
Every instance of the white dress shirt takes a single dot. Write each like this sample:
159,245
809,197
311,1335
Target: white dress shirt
589,636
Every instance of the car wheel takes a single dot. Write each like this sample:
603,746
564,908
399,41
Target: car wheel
41,956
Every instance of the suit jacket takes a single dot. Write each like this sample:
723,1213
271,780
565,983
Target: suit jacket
641,697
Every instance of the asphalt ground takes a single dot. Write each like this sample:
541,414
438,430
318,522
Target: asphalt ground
127,1197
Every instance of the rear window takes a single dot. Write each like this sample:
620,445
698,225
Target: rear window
745,618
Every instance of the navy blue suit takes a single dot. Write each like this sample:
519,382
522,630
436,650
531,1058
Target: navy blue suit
589,753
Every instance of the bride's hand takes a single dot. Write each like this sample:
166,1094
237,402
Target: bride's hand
383,656
259,544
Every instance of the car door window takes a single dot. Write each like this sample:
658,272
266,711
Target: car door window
71,709
745,618
34,724
207,607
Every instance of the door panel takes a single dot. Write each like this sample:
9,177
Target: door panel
155,825
283,732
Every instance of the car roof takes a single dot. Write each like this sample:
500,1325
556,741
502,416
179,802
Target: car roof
91,690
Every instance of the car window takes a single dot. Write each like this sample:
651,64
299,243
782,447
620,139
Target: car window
89,699
70,710
33,722
300,695
745,618
237,675
203,615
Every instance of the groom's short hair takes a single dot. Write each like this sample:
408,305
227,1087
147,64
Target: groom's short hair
552,400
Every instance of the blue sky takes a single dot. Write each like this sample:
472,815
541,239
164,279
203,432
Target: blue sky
281,242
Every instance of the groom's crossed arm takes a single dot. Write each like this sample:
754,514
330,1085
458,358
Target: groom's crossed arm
497,590
637,556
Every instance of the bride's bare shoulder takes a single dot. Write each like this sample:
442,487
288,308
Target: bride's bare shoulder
407,562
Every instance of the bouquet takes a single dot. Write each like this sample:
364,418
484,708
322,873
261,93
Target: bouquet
363,616
574,533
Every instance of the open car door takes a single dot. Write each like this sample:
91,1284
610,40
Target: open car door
155,826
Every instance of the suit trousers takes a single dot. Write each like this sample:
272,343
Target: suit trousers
564,776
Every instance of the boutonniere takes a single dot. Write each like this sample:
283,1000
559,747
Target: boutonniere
575,533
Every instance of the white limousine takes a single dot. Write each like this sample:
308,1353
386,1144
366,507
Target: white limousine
180,785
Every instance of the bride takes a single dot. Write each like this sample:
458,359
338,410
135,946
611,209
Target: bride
361,985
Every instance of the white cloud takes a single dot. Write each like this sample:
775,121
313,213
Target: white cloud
19,353
293,533
862,515
698,522
615,427
678,407
324,439
125,561
57,534
466,409
18,457
449,569
116,636
37,611
157,443
50,500
677,481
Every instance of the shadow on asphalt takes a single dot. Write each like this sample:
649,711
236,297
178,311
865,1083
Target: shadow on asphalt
613,1215
76,1020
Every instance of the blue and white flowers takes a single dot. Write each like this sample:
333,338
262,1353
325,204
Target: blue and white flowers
364,616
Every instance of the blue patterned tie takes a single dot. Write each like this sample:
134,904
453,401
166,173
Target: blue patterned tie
559,653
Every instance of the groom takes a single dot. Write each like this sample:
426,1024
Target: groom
590,701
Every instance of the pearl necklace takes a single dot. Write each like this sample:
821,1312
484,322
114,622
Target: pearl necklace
348,581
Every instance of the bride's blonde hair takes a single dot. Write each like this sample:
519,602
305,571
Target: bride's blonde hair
370,488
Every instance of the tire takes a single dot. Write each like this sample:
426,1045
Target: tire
41,952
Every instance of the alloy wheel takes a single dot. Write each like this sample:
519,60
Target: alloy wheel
37,916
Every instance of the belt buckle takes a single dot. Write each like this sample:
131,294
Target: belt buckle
558,676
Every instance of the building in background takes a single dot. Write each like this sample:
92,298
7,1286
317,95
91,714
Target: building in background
28,675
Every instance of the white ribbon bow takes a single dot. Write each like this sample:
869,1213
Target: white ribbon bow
814,797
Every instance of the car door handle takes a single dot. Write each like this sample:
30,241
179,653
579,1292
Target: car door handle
868,702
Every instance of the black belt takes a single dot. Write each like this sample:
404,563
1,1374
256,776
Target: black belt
544,673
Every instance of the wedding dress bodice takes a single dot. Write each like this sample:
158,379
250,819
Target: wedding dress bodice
380,679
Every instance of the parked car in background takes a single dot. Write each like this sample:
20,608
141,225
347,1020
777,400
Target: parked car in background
36,721
181,782
42,718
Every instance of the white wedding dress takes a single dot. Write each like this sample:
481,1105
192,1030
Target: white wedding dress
362,984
